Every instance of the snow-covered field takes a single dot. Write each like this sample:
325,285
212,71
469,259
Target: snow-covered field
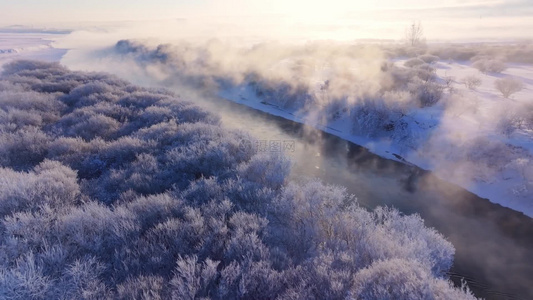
29,46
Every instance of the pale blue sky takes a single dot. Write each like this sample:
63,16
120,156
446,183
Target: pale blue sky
443,18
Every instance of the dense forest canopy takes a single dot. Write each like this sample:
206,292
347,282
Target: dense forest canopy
109,190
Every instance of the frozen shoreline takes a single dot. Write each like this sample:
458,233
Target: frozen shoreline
496,191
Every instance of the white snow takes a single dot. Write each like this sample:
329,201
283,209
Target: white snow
460,117
38,46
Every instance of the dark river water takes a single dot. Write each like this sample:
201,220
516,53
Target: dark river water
494,245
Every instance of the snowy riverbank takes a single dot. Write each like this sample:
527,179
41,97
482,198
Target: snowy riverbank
464,116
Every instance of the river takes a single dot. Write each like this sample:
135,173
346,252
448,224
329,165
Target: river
494,244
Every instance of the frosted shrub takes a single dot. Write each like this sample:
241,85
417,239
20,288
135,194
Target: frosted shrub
89,126
335,109
265,170
89,94
193,279
81,280
156,114
399,101
489,157
31,68
124,150
203,190
413,62
24,148
190,113
428,58
408,51
392,279
425,72
379,118
143,287
85,157
95,229
50,183
449,80
454,52
399,78
59,182
487,65
19,118
282,94
370,118
520,52
428,93
518,119
508,86
139,177
472,82
25,281
408,231
152,210
400,279
419,81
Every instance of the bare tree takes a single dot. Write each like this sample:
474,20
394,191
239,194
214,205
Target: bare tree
448,81
508,86
414,34
472,82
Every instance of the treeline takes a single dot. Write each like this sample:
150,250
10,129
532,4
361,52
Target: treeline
112,191
520,52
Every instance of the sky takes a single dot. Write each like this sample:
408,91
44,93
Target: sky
446,19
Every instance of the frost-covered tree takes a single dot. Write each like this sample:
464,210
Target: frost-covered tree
112,191
489,65
472,82
507,86
414,34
